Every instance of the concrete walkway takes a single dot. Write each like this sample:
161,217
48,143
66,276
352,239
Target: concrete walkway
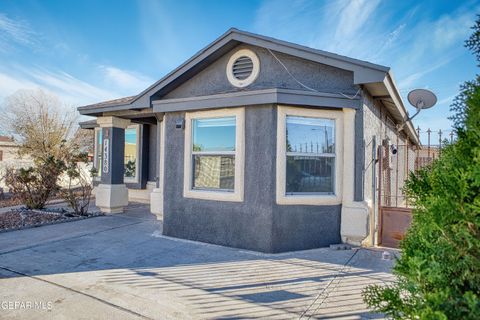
120,267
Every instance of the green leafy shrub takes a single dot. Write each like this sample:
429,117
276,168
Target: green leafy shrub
130,168
35,185
438,273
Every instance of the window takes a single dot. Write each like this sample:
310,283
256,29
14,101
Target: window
131,153
98,152
214,155
309,156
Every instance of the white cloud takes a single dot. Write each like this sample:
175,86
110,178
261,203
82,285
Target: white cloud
69,88
133,82
112,82
9,84
411,79
450,29
14,32
352,16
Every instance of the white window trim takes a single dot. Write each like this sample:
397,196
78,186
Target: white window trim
238,190
308,199
136,178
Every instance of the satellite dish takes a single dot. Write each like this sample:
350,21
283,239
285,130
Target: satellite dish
422,99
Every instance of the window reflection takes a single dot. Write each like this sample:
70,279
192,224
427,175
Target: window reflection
213,153
130,160
310,156
214,134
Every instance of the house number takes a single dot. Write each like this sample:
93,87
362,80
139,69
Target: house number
105,156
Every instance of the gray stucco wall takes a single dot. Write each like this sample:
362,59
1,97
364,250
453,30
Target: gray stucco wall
395,167
213,79
257,223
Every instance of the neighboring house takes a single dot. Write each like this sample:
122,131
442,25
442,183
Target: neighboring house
9,157
8,149
253,143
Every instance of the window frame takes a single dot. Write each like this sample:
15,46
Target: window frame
319,198
219,195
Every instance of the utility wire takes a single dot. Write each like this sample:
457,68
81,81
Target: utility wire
304,85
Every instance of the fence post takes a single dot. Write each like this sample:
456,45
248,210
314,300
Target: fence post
380,185
428,143
439,142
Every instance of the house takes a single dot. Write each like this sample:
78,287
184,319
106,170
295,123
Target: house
253,143
9,157
8,149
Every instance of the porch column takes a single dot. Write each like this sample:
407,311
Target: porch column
112,194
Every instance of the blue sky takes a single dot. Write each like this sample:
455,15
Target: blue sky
87,51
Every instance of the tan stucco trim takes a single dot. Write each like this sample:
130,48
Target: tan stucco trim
348,155
109,122
354,221
156,196
281,197
237,194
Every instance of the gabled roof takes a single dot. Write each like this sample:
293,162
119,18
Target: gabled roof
363,71
376,78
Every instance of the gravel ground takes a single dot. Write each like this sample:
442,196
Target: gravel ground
20,218
9,202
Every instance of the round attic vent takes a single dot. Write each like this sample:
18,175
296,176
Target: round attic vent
243,68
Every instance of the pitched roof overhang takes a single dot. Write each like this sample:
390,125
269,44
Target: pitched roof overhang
375,78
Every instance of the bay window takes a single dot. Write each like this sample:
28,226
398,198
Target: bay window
214,155
309,156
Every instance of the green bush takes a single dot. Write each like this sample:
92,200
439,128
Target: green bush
438,273
35,185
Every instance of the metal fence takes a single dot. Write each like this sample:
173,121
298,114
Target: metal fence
398,160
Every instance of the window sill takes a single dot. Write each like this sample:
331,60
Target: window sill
309,200
213,195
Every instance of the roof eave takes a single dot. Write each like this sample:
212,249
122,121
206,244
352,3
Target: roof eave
394,94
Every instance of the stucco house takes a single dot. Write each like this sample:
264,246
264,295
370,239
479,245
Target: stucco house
253,143
9,157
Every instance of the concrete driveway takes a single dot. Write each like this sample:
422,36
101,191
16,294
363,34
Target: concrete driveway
120,267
